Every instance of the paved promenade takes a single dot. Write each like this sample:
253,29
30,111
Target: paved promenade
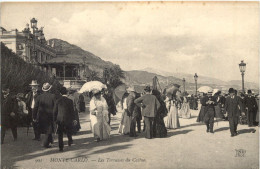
189,147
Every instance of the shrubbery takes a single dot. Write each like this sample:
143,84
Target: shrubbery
18,74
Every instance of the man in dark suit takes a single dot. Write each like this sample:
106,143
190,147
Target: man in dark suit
232,105
64,116
30,102
251,106
43,114
150,106
9,109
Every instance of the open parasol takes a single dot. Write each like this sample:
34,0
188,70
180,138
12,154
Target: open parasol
205,89
92,85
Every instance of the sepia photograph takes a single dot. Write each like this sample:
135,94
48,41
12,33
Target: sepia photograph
130,85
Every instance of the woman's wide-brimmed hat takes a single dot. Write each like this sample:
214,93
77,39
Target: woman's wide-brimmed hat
34,83
46,87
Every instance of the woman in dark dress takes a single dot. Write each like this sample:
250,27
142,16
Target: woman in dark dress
160,130
202,110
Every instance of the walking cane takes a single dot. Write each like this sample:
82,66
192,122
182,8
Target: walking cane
28,127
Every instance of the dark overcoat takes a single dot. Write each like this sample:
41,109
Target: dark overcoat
64,113
232,106
43,112
250,103
28,103
9,104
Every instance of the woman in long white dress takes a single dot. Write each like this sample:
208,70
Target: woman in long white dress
172,120
99,116
185,109
124,126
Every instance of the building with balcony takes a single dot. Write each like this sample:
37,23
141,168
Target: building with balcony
30,44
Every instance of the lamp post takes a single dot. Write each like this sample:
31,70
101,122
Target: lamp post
183,80
64,71
35,30
242,67
84,72
196,78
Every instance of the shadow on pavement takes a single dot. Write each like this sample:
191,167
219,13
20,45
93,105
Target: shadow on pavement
177,132
221,129
243,131
193,124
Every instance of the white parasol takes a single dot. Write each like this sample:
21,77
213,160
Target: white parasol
205,89
92,85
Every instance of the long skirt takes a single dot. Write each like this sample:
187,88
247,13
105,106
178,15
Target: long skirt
100,127
159,128
201,114
172,120
219,114
124,126
185,111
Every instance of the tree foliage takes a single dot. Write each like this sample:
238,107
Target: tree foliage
113,76
17,74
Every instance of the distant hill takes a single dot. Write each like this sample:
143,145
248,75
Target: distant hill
140,77
137,77
76,54
188,77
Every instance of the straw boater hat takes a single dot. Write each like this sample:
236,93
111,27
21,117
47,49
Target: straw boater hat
46,87
34,83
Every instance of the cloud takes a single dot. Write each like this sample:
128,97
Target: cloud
209,38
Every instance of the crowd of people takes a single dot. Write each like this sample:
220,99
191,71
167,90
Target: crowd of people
243,109
49,112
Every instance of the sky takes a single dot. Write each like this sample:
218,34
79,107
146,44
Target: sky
209,38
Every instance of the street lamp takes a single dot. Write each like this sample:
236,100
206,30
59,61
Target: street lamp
196,78
33,24
242,67
34,27
64,71
183,80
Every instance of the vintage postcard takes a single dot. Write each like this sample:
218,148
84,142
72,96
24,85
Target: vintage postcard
133,85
